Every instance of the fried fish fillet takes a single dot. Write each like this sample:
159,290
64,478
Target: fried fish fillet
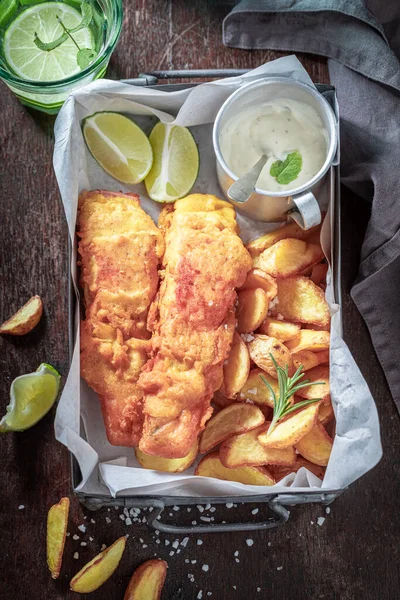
192,320
120,250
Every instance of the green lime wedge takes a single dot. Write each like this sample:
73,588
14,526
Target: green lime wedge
119,146
31,397
176,163
27,60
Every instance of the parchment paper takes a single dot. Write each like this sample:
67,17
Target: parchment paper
79,423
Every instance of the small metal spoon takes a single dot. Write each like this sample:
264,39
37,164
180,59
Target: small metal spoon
241,190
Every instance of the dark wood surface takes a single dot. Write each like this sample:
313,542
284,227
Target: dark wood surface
353,555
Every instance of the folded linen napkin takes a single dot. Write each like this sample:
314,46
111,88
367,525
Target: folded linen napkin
362,41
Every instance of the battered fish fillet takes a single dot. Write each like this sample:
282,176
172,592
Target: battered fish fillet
120,250
192,320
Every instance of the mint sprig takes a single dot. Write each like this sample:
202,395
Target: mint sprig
286,171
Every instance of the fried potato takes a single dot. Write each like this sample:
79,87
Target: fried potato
280,330
316,446
245,450
255,389
237,368
309,339
222,401
301,301
147,581
167,465
260,349
99,569
318,273
211,466
320,373
25,319
257,278
252,309
306,359
231,420
288,257
57,521
289,431
325,412
323,357
279,473
291,230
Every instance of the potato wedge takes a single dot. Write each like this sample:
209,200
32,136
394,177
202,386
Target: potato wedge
222,401
280,472
231,420
307,359
257,278
147,581
25,319
290,230
309,339
288,257
316,446
262,347
211,466
167,465
237,368
323,357
325,412
280,330
320,373
252,309
99,569
57,521
318,273
255,389
245,450
289,431
301,301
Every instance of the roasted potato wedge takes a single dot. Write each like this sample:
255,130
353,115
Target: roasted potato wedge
320,373
309,339
280,472
237,368
289,431
280,330
57,521
147,581
306,359
255,389
290,230
257,278
323,357
231,420
316,446
222,401
99,569
25,319
211,466
245,450
318,273
262,347
325,412
301,301
288,257
252,309
167,465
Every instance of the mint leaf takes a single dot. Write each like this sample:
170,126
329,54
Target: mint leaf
287,170
87,15
50,45
85,57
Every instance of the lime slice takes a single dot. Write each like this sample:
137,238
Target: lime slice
25,58
31,397
119,146
176,163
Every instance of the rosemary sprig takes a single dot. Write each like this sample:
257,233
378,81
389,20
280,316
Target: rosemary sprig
288,386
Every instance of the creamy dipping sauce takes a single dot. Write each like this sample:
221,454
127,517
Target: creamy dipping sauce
276,128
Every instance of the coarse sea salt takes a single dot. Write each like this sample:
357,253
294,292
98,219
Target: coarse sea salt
254,511
229,504
184,542
75,537
327,510
76,555
200,595
21,507
199,542
205,568
108,520
249,542
320,521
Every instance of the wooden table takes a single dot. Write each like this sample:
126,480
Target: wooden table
353,555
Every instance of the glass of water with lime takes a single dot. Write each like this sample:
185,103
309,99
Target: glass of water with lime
48,49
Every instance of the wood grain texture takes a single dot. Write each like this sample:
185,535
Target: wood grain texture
354,554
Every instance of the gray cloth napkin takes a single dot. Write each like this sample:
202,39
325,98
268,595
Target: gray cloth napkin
362,41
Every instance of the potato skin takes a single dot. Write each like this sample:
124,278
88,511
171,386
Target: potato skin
25,319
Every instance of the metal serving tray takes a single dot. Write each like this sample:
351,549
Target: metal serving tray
277,503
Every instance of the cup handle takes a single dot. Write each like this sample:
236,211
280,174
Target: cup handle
304,209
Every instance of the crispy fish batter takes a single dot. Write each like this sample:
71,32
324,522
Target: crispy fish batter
120,248
192,320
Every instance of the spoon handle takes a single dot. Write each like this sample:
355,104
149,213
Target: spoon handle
242,188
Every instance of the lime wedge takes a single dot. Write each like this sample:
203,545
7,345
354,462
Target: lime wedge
119,146
27,60
176,163
31,397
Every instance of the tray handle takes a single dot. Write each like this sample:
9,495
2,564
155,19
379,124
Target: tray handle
152,77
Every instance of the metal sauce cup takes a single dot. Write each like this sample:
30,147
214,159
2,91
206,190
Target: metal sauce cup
299,203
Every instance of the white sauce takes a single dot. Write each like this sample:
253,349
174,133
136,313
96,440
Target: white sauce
275,128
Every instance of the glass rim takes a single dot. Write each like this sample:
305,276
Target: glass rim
51,86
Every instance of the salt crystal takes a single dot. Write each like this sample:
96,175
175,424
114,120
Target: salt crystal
320,521
254,511
209,593
108,520
179,549
208,506
21,507
229,504
237,560
269,543
199,542
151,508
144,546
206,519
200,508
190,575
103,547
158,541
249,542
234,587
236,553
258,589
75,537
140,540
200,595
157,532
90,539
184,542
170,514
279,568
189,509
175,544
213,509
210,303
193,562
312,522
327,510
187,561
128,521
122,517
205,568
171,553
93,521
83,544
167,542
175,508
194,522
68,534
253,391
126,512
76,555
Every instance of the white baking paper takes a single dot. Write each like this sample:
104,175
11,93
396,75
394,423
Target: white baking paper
79,425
